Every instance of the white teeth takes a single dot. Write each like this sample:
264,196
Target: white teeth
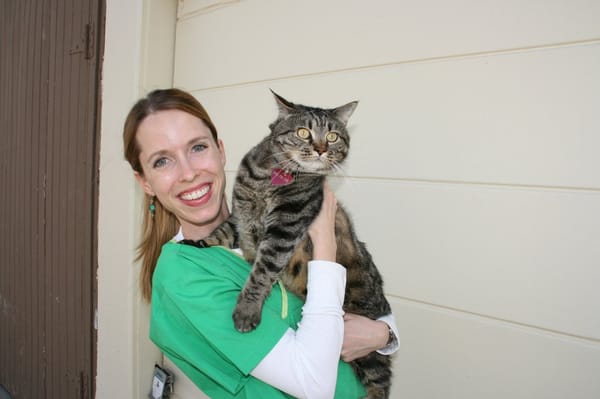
195,194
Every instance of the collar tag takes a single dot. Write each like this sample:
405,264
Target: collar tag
280,177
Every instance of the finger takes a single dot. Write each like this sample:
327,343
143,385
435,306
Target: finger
349,316
329,198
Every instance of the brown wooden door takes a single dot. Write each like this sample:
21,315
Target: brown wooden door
49,102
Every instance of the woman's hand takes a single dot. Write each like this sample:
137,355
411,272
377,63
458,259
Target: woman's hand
362,336
322,229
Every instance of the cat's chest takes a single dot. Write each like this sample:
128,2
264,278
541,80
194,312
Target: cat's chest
262,199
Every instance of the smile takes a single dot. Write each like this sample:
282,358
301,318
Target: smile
196,194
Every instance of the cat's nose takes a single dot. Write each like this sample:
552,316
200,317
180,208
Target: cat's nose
320,148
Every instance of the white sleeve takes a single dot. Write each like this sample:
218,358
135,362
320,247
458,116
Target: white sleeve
390,320
304,362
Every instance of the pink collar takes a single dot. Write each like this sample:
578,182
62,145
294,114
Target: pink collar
280,177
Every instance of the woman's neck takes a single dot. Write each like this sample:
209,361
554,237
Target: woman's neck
198,232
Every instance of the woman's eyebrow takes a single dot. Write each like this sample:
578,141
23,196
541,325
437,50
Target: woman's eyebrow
195,140
199,138
155,154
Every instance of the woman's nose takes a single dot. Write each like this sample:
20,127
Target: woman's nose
186,170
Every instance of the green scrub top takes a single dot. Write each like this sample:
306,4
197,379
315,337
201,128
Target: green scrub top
193,296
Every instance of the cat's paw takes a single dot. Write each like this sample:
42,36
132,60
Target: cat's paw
212,241
224,235
246,316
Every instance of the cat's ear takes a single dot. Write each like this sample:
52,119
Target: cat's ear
344,112
285,107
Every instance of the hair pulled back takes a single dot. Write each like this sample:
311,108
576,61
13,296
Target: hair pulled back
160,228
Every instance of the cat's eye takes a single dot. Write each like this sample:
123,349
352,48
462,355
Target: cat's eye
303,133
332,137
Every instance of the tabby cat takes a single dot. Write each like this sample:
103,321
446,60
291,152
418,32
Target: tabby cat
277,193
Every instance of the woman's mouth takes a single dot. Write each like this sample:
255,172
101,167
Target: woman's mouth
195,194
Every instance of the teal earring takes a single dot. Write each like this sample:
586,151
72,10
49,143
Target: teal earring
152,206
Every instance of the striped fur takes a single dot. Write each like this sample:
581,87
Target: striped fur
272,222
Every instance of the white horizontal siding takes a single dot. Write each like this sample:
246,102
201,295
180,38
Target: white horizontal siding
473,177
256,40
519,118
452,355
520,254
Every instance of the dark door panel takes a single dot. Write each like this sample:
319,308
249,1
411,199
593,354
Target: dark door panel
49,112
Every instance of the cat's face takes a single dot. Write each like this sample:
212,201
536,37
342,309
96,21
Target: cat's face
311,140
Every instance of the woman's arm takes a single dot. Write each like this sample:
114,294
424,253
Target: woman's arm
304,362
394,345
363,336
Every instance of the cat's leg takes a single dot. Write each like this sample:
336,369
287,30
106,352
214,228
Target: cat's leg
375,372
285,227
250,232
295,274
268,266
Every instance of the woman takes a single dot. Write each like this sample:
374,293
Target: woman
178,160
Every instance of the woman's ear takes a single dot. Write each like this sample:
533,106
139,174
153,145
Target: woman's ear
222,151
143,183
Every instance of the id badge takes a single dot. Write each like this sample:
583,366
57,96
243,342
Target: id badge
162,383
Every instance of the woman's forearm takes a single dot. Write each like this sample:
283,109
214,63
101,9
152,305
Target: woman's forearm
304,362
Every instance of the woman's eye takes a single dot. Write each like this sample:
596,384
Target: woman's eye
198,147
332,137
159,163
303,133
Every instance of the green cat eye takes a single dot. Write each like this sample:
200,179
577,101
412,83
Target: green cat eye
331,137
303,133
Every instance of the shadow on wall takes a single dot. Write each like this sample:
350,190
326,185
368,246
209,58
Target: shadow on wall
4,393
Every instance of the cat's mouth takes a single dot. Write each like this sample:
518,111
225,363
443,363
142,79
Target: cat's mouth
316,164
299,163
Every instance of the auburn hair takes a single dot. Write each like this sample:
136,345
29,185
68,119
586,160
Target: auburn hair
159,228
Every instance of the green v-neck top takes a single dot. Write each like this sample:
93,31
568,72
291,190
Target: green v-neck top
194,293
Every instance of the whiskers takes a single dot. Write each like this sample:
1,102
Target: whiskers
288,165
282,161
304,162
337,170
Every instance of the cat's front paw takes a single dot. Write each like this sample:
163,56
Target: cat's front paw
246,316
225,235
212,241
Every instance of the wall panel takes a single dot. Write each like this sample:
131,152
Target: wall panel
473,174
526,118
520,254
259,40
452,355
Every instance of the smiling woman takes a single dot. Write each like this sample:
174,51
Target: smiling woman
183,167
160,225
179,161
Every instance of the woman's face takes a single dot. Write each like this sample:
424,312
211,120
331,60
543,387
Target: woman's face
184,168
